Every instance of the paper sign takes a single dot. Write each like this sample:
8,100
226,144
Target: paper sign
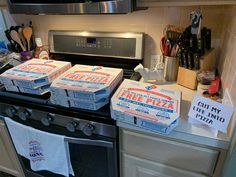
201,125
211,113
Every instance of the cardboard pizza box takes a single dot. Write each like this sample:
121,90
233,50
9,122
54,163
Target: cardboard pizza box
147,106
34,73
88,83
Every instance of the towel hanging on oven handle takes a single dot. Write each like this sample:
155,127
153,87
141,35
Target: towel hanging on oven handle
89,142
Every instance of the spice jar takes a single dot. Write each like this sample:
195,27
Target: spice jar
40,52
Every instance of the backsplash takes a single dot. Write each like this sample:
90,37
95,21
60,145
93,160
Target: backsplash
227,63
151,21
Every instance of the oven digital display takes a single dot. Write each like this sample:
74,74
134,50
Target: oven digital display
91,40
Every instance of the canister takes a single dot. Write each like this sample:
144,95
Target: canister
171,68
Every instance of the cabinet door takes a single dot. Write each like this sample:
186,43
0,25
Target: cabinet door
135,167
9,162
156,3
3,3
164,151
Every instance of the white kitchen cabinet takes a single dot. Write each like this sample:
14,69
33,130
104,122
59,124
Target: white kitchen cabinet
9,162
137,167
149,155
3,3
156,3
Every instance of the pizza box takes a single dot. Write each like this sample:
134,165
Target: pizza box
147,106
86,83
38,91
34,73
74,103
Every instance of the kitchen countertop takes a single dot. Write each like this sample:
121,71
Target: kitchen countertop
188,132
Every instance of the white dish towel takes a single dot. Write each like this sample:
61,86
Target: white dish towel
46,151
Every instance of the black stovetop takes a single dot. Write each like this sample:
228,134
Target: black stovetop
126,64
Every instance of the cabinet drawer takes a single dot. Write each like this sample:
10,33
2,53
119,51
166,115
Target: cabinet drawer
185,156
9,162
136,167
3,3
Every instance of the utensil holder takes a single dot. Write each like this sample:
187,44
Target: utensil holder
171,65
26,55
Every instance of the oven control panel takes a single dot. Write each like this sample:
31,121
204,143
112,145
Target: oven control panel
106,44
72,124
93,42
95,45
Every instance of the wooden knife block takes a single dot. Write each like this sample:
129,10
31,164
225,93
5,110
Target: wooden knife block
188,78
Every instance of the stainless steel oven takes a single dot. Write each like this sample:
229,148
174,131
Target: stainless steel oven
92,145
92,135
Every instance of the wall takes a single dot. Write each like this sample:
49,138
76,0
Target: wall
229,166
151,22
227,63
227,68
2,28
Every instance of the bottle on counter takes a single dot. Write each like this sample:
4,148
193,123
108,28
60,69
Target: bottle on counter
40,52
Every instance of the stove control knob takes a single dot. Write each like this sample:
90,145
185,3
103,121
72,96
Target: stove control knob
11,111
71,126
88,129
47,120
25,114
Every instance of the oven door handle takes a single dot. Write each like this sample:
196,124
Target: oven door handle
83,141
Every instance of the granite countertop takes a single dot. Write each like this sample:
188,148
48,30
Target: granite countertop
188,132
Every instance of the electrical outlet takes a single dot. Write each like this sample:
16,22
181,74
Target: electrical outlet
154,60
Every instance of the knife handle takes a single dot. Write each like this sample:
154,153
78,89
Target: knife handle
196,59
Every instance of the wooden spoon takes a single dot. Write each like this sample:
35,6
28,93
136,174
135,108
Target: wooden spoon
27,32
15,37
20,32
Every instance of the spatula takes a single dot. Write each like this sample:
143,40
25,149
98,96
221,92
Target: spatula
27,32
15,37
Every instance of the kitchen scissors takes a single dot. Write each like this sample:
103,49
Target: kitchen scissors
169,47
165,46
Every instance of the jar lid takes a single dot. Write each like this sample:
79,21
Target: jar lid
38,42
203,86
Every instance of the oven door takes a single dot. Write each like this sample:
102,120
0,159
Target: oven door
90,156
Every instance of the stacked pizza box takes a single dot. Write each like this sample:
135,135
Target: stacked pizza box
33,76
147,106
86,87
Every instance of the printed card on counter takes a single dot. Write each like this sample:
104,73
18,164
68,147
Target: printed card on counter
147,106
210,113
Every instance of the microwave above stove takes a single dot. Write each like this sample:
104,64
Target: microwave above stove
70,6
